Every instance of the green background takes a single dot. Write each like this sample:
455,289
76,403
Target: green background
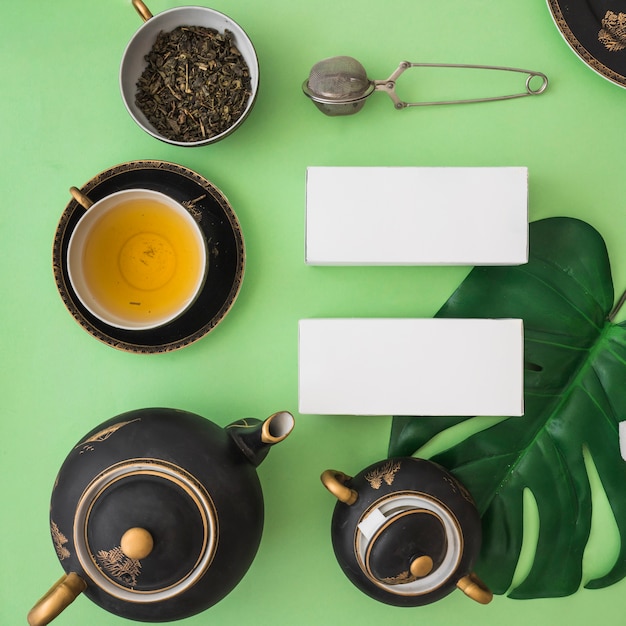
62,122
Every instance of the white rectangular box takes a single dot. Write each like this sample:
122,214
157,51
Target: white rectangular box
430,366
416,215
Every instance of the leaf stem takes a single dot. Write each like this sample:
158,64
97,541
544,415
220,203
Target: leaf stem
617,307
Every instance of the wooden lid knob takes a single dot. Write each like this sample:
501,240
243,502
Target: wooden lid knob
137,543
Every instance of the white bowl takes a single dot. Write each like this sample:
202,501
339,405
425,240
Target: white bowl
133,60
137,274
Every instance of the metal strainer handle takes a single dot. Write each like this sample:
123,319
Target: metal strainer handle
389,85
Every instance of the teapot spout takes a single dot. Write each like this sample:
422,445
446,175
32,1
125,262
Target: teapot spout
255,437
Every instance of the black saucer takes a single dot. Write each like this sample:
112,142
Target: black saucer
596,31
224,241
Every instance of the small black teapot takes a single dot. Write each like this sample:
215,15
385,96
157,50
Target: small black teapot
157,513
406,532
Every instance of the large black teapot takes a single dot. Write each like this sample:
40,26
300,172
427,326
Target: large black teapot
157,513
406,532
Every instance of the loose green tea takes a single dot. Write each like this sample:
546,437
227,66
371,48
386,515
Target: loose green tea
196,84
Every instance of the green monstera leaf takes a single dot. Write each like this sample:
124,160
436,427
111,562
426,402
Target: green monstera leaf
575,396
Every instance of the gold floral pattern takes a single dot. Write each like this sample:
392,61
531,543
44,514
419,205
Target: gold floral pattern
59,540
119,566
613,32
387,473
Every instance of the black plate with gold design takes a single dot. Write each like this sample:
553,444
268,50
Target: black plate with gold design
596,31
224,242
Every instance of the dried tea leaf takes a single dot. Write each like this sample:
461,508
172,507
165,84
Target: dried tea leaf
196,84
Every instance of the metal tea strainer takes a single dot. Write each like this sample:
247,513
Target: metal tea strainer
339,85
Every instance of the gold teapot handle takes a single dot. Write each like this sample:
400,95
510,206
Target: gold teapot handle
334,481
142,9
62,594
475,588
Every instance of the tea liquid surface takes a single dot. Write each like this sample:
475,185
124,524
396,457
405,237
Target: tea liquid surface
142,260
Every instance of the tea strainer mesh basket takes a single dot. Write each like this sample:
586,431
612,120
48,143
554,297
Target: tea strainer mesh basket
339,79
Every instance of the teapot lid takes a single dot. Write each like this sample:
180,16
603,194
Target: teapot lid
408,543
145,530
407,546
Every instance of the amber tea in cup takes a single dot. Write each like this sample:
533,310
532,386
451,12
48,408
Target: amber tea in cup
137,259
